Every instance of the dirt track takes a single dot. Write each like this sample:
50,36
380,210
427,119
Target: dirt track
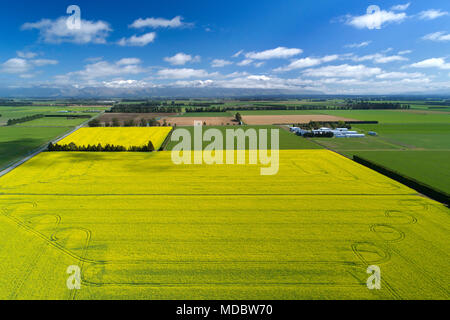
291,119
189,121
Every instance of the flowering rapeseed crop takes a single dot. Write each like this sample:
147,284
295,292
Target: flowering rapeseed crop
123,136
140,227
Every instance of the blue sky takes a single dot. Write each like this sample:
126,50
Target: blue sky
329,46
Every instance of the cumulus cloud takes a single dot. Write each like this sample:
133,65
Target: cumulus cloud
219,63
277,53
437,36
159,23
57,31
359,45
259,78
306,63
15,65
183,73
439,63
181,59
138,41
343,71
375,18
126,84
104,69
24,66
432,14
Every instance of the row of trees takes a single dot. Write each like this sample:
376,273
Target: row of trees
24,119
144,108
313,125
72,147
128,123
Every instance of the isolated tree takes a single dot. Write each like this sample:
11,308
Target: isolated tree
238,117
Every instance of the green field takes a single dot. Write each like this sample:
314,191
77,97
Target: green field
391,116
417,150
429,167
52,122
17,142
20,112
288,141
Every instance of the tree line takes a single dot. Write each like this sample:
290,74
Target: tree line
72,147
145,108
24,119
128,123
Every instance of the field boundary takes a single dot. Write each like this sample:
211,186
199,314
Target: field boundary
166,141
11,166
427,190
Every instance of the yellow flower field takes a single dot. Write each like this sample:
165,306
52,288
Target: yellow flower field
140,227
123,136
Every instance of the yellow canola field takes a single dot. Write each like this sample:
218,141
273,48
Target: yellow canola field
141,227
123,136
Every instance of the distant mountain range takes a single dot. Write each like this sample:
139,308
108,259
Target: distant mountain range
104,92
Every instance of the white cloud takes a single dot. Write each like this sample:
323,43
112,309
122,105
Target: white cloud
183,73
44,62
103,69
375,18
26,54
181,59
432,14
359,45
306,63
245,62
404,52
437,36
56,31
277,53
400,75
379,58
219,63
432,63
401,7
128,61
125,84
159,23
259,78
237,54
15,65
343,71
138,41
